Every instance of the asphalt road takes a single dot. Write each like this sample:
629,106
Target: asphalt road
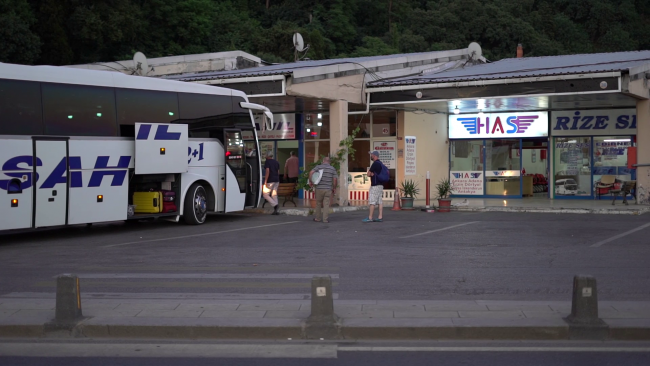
281,353
409,256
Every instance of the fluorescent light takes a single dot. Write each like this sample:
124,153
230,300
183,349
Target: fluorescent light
618,140
572,141
456,111
319,124
320,115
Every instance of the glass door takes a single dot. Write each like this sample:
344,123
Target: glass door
503,167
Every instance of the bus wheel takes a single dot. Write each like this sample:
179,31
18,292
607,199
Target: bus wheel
196,205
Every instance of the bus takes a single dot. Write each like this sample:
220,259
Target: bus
84,146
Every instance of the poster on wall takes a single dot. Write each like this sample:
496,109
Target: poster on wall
284,128
266,146
386,152
409,160
467,183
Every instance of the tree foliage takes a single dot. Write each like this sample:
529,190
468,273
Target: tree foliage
62,32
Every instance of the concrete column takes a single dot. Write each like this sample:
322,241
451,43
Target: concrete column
643,151
338,132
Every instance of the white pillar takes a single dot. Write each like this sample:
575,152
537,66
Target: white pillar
643,151
338,132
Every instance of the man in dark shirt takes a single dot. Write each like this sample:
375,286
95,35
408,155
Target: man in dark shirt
271,181
376,193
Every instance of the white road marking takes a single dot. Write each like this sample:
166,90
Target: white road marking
203,275
172,296
196,235
444,228
494,349
166,350
620,236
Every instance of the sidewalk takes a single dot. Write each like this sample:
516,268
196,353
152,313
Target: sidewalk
536,204
194,316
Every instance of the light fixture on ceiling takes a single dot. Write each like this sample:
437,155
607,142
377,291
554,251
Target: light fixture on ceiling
480,113
308,129
618,140
320,116
319,124
456,110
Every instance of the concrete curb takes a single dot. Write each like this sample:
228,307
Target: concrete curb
559,210
307,211
351,329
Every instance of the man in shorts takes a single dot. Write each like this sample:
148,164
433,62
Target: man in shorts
376,193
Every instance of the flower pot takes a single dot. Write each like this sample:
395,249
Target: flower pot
407,203
444,204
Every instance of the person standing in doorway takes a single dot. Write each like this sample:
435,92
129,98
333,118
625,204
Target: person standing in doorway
325,188
271,181
291,168
376,193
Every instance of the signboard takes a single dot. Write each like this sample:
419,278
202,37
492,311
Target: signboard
611,122
386,152
284,128
467,183
498,125
409,160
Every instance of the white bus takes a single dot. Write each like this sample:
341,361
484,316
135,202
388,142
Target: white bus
80,146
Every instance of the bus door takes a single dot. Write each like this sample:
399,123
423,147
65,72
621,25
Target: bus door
51,185
253,183
236,171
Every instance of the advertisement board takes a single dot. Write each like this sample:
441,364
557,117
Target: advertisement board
498,125
387,152
467,183
610,122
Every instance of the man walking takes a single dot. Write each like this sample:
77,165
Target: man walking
325,188
271,181
291,168
376,193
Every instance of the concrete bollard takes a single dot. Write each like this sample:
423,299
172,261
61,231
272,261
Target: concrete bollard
322,323
68,299
584,322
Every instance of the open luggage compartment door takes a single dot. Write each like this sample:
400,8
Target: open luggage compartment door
160,148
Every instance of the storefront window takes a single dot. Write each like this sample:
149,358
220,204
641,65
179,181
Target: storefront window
610,158
312,129
502,167
384,124
572,166
315,149
467,155
363,122
361,161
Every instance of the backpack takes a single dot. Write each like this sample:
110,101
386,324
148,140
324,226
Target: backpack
383,176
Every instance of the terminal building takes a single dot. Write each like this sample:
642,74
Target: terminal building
557,127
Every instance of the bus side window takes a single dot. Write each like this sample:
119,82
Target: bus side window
78,110
13,187
135,105
21,112
204,112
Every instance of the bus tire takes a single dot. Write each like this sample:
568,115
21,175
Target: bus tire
196,205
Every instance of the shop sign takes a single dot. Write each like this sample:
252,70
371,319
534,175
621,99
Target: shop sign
284,128
502,173
467,183
386,151
409,160
498,125
610,122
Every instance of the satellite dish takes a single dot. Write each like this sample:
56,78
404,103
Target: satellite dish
298,43
140,64
475,50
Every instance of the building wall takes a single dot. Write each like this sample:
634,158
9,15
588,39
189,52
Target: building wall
432,148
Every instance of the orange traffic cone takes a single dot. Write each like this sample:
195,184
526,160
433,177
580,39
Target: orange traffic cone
396,205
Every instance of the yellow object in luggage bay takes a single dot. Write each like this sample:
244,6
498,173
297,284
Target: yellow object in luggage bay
147,202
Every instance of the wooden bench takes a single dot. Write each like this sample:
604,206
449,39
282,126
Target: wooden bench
625,190
286,190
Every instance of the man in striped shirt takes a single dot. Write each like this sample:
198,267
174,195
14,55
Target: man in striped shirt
325,188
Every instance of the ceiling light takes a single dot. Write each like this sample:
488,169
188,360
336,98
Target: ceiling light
456,111
319,124
480,113
320,115
308,129
618,140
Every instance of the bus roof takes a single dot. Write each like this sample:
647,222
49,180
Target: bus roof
59,74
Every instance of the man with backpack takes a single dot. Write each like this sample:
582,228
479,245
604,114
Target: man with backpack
378,174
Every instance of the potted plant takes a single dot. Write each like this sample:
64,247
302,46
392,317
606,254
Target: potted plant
409,191
444,191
